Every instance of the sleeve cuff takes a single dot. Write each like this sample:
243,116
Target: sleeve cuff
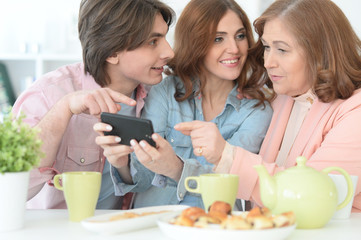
191,167
225,164
181,190
159,181
120,188
39,176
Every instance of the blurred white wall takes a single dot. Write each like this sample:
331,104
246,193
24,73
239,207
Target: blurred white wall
52,24
49,25
37,36
254,8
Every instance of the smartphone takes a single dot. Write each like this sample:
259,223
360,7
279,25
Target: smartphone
128,128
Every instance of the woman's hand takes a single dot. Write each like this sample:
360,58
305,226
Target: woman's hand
161,160
207,141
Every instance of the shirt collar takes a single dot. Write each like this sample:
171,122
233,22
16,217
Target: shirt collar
232,98
142,91
307,98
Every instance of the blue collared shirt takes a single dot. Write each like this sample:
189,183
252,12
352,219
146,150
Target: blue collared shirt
107,199
240,124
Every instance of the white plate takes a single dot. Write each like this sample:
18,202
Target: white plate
102,223
189,233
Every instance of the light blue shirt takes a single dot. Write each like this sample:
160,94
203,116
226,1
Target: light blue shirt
107,199
240,124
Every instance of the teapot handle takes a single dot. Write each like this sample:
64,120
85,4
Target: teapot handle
349,185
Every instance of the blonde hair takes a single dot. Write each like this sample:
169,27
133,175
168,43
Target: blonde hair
331,46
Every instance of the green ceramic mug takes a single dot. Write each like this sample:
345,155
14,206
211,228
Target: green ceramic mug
214,187
81,192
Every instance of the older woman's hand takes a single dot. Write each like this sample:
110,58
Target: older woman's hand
207,141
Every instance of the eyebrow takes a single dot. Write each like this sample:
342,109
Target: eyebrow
276,42
155,34
239,30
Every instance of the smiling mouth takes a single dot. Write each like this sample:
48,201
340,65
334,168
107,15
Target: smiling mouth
230,61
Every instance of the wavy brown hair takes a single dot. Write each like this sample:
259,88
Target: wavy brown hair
110,26
194,36
331,46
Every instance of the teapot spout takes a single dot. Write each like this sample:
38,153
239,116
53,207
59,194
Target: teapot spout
267,187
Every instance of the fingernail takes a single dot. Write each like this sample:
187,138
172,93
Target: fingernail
118,139
142,143
108,127
132,142
155,136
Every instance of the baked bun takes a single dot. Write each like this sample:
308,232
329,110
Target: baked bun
284,219
236,223
212,217
217,217
220,214
183,221
257,211
262,222
219,206
193,213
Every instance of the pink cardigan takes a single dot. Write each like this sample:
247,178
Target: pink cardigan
329,136
78,150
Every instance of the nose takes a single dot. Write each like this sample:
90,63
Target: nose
167,51
232,47
269,60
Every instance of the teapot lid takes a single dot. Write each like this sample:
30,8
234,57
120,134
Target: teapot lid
301,161
299,169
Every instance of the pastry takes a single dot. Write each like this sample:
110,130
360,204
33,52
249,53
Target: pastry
220,214
236,223
219,206
193,213
285,219
183,221
261,222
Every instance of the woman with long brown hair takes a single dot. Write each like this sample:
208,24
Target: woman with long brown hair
212,38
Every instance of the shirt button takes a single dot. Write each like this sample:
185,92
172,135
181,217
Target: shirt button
181,195
172,140
82,160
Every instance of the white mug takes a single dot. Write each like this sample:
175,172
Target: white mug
341,187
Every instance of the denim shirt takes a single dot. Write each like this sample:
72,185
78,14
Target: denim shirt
240,124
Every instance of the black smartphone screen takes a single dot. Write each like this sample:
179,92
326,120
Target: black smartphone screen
128,128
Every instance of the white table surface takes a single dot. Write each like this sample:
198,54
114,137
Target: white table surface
54,224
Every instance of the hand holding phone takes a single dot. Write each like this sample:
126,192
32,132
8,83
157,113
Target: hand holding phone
128,128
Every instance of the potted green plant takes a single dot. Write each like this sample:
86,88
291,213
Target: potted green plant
20,151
